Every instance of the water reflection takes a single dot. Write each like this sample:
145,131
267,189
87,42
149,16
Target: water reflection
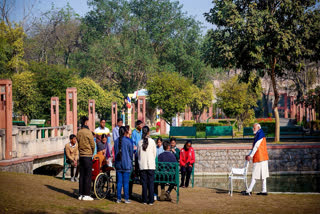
275,183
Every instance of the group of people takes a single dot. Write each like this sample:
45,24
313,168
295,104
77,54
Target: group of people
131,148
139,148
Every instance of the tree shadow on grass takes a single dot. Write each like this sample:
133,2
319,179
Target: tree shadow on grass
221,191
35,212
85,211
96,211
70,194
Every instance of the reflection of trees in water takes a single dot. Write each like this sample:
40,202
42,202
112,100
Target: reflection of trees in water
275,183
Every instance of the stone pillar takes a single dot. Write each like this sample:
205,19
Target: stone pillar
293,109
210,111
162,125
71,108
142,108
55,113
92,114
25,119
313,114
285,106
133,115
6,114
187,113
203,115
114,114
301,114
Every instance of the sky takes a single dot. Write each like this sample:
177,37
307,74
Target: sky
194,8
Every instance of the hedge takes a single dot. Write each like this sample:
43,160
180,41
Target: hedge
188,123
201,127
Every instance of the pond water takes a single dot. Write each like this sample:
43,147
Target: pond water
275,183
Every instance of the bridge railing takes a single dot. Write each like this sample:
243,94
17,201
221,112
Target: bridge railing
30,140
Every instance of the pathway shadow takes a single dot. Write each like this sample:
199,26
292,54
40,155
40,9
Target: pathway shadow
70,194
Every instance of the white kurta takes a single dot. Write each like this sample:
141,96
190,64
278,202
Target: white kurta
260,170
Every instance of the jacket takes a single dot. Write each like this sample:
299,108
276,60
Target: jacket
166,156
147,159
187,156
86,143
259,148
176,153
72,153
125,164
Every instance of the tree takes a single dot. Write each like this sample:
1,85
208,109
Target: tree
236,99
126,41
201,99
54,37
170,92
26,95
11,49
52,81
266,36
88,89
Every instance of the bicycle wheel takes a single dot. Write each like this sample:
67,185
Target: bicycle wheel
101,186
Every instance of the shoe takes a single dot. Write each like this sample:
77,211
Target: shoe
168,197
72,179
144,203
76,179
127,201
118,201
87,198
151,204
246,193
155,198
80,197
262,193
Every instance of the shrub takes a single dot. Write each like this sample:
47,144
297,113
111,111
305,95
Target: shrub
201,127
269,119
188,123
228,122
315,124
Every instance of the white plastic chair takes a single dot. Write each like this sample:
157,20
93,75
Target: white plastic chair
238,174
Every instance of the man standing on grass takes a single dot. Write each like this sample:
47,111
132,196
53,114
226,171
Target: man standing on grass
259,156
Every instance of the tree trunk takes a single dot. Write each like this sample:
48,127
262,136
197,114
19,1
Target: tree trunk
276,100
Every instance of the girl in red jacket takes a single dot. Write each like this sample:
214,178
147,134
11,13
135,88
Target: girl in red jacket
187,159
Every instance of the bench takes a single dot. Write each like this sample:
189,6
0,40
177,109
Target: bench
183,131
18,123
291,130
66,165
219,131
167,173
248,131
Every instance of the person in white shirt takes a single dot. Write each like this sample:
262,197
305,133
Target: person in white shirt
102,129
259,156
147,154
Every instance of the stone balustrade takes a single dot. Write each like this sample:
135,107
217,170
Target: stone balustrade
30,140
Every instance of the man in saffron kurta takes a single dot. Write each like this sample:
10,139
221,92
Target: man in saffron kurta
259,156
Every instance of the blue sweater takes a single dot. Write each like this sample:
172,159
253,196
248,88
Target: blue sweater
125,164
167,156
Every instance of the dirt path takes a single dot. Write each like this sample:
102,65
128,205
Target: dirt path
24,193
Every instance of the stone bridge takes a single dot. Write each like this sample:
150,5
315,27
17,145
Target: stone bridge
34,147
